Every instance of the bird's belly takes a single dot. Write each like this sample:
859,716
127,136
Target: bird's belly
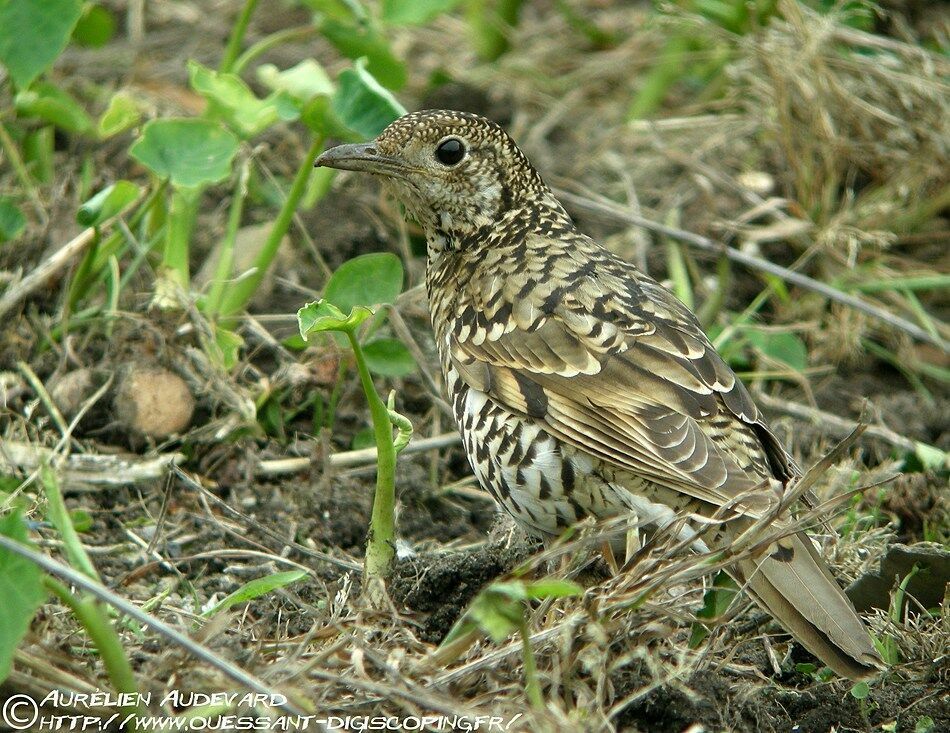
545,484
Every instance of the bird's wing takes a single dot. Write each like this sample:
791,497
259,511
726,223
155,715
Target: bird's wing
614,365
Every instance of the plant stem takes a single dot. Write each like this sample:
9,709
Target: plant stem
59,516
380,547
237,295
268,42
222,272
107,642
237,36
531,687
181,219
97,256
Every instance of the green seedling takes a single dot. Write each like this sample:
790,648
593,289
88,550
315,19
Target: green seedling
255,589
350,300
499,611
190,154
716,602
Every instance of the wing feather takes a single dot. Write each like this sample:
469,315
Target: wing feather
632,380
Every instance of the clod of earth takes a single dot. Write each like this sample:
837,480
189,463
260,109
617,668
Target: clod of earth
154,401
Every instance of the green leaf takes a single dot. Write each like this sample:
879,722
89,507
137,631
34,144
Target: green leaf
716,602
81,519
33,33
48,102
323,316
319,116
95,28
107,203
12,221
232,101
189,152
357,40
860,690
498,610
414,12
363,104
368,280
122,113
255,588
925,724
783,347
552,588
389,357
38,153
717,599
303,82
21,589
294,342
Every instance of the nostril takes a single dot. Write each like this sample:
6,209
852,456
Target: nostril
371,150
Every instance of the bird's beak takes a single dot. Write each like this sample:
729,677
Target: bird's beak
361,157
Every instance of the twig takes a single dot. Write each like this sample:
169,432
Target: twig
88,468
837,426
42,272
349,459
226,667
620,214
195,485
37,384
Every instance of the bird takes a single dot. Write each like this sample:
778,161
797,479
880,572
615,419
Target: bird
580,385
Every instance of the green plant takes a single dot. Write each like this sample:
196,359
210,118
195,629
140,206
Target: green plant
350,300
28,587
255,589
186,156
22,589
716,602
499,611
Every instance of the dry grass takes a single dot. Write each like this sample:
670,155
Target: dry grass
854,150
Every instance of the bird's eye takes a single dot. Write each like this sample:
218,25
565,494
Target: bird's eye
450,151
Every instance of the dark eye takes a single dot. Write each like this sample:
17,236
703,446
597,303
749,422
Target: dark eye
450,151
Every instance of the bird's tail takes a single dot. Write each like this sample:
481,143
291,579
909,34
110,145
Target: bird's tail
794,585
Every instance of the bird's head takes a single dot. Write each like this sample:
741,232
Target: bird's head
455,172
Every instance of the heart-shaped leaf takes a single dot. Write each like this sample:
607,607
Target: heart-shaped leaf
370,280
189,152
33,33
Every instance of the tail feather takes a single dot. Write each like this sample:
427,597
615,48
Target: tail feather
794,585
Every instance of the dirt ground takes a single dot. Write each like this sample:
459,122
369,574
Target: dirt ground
184,540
